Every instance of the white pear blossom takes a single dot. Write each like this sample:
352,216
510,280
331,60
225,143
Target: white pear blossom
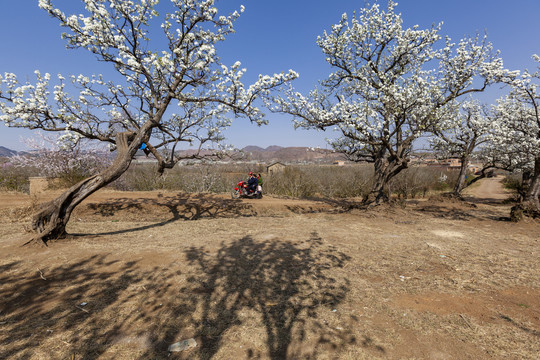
462,132
515,135
178,93
187,70
390,85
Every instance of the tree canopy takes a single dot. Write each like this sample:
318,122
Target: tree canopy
174,83
171,87
389,86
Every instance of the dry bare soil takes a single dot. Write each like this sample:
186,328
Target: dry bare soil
272,279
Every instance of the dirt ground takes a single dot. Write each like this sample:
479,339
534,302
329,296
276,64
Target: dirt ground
272,279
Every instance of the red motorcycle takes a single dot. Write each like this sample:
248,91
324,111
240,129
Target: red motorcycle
241,191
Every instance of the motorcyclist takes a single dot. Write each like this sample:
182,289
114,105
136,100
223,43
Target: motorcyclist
252,183
259,183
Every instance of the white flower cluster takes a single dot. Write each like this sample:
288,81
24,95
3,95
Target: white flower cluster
186,71
515,135
463,130
25,101
390,85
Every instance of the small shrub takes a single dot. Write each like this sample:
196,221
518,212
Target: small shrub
291,182
300,181
185,178
420,180
140,177
341,181
13,178
513,182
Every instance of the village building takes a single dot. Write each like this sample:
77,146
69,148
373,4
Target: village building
275,167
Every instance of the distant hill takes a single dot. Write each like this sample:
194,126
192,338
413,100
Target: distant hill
252,148
4,151
251,153
290,154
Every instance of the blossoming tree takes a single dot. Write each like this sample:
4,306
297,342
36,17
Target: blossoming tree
516,134
179,93
68,163
390,85
460,134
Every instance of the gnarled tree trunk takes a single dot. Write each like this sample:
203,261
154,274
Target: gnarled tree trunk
533,192
530,205
50,222
460,183
385,170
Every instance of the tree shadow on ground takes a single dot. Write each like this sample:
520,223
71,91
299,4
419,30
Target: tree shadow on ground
339,205
445,212
520,326
437,206
487,201
464,209
493,209
279,289
284,283
180,207
37,305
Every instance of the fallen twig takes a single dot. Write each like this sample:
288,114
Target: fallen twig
41,274
466,321
80,308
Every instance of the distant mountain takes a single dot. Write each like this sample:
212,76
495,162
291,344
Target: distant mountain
252,148
251,153
287,155
274,148
4,151
290,154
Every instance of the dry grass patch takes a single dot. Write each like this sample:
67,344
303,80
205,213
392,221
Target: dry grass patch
272,280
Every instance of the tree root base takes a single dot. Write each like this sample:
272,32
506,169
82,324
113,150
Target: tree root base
35,242
42,239
524,210
452,196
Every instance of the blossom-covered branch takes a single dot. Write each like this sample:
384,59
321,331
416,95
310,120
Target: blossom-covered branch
389,86
161,87
173,89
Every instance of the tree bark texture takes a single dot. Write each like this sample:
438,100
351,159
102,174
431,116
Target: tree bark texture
530,204
385,170
460,183
50,222
533,191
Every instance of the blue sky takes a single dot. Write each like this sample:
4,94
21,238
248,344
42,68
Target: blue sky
271,36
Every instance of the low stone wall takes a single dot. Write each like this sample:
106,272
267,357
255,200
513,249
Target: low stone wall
41,185
38,185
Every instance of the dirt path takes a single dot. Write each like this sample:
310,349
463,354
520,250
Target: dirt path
488,190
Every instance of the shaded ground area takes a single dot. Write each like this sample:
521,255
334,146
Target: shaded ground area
271,279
